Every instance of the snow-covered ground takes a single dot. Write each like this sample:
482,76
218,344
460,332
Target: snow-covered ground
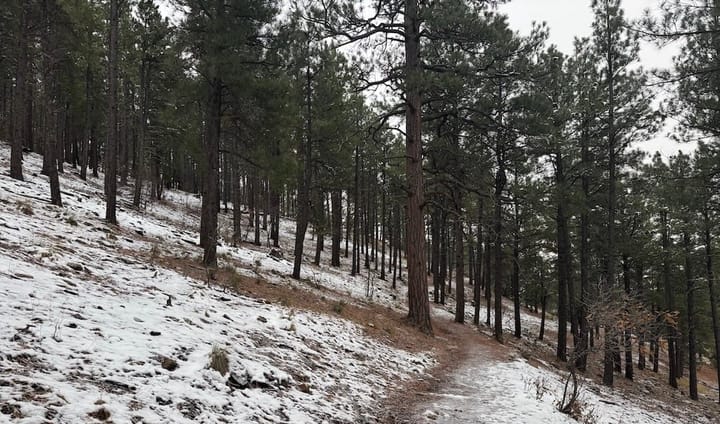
94,323
90,328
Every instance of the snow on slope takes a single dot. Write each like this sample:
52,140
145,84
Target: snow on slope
88,326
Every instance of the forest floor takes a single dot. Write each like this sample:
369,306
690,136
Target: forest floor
119,323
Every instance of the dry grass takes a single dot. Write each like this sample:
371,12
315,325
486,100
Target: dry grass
219,360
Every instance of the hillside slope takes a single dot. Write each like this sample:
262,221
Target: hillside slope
93,328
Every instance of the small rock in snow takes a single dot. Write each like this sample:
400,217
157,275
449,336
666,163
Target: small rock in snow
155,333
262,319
168,363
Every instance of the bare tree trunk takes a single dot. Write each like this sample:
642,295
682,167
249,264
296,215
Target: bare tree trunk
671,332
49,107
112,132
435,253
19,118
140,150
85,146
419,305
459,264
500,180
479,268
211,196
336,203
304,179
692,338
515,277
711,286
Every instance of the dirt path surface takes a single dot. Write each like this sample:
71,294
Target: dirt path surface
449,394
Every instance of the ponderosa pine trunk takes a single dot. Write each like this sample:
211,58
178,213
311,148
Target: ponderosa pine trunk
581,350
304,180
336,205
608,375
49,107
19,116
418,302
671,331
500,180
211,194
459,266
710,274
435,253
85,144
140,148
479,268
112,130
692,338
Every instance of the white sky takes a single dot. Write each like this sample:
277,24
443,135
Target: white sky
568,19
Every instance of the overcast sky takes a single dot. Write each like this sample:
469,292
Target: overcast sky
568,19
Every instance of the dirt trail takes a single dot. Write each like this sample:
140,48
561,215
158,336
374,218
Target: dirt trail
450,394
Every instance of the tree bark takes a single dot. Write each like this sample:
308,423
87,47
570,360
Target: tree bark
19,118
459,265
711,286
211,196
419,305
112,132
692,338
500,180
304,179
336,204
671,332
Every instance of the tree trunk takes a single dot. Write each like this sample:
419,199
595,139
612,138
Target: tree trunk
692,338
140,149
459,264
336,203
112,132
85,146
581,350
49,107
435,235
671,332
418,303
355,268
627,333
500,180
711,286
19,118
304,180
515,278
479,268
211,195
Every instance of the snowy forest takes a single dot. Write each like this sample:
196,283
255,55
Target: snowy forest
342,211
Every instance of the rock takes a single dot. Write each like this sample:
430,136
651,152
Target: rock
168,363
75,266
72,325
227,317
304,387
262,319
101,414
155,333
162,401
276,253
238,381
